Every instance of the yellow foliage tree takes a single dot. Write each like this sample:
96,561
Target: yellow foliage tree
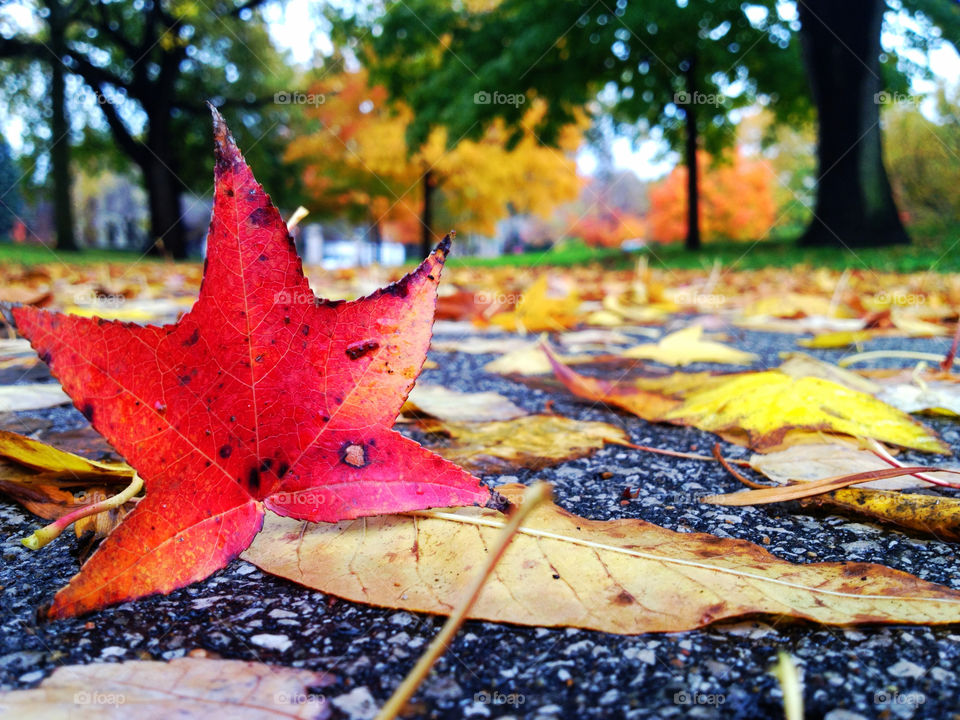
358,164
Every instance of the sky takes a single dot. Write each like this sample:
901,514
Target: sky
297,28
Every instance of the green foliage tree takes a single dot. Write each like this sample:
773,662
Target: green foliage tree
922,155
151,65
668,64
10,200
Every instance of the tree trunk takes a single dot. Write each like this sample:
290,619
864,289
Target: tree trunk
60,129
376,235
854,203
426,218
692,242
167,232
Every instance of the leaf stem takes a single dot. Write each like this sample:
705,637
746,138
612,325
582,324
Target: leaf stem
47,534
534,496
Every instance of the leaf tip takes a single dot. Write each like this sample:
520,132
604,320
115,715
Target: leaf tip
225,148
443,248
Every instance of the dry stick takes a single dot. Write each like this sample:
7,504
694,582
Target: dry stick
538,493
47,534
676,453
736,473
952,354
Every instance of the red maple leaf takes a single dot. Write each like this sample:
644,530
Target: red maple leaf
261,396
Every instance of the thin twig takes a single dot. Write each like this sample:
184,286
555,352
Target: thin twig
675,453
736,473
534,496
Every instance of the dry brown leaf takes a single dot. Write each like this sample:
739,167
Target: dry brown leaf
622,576
454,406
532,441
184,688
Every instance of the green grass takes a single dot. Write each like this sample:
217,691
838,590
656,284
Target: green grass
935,248
39,255
564,254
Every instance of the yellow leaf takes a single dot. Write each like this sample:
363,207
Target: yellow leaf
540,310
687,346
619,576
533,441
48,459
839,339
757,409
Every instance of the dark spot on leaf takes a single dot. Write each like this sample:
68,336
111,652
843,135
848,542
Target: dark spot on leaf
194,337
358,350
282,469
87,411
624,598
226,451
253,482
260,217
185,379
45,356
262,258
266,465
305,330
228,192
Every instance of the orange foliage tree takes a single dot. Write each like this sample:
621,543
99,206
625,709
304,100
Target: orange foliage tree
357,164
736,195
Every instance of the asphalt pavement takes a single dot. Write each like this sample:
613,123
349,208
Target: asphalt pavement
495,670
